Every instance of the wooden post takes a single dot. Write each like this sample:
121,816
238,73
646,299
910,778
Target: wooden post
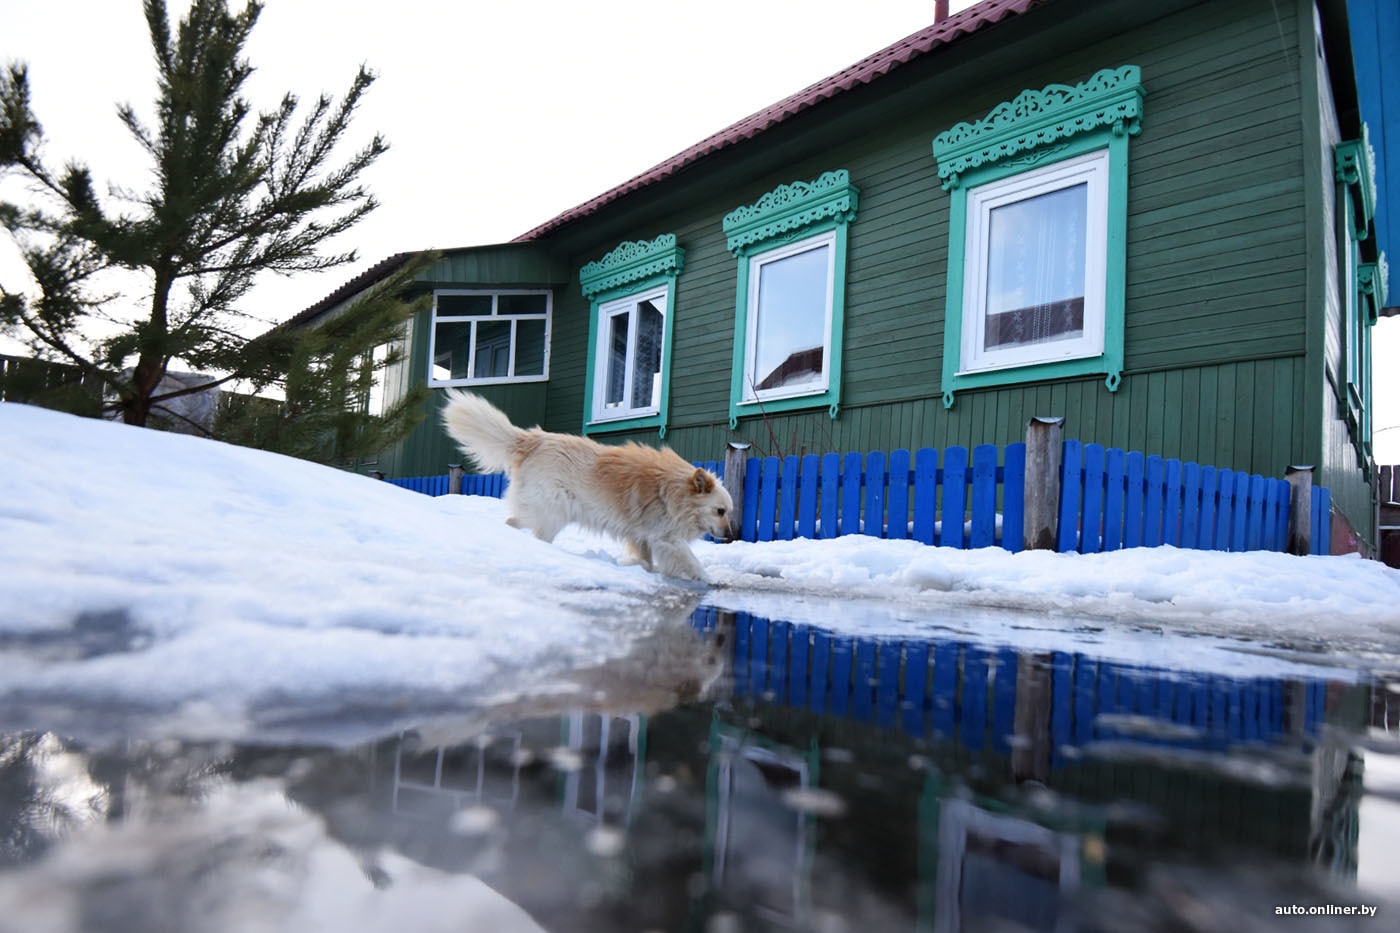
736,461
1299,509
454,479
1044,450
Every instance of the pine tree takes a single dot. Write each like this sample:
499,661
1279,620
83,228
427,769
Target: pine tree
234,196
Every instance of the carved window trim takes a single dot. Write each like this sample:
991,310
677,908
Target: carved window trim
785,217
1034,130
631,270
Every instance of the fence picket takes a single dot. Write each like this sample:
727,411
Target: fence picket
1154,495
954,496
1254,539
752,477
984,496
850,494
1171,516
1013,498
1133,500
1190,504
1115,486
925,493
1224,509
831,495
1091,525
1239,521
787,502
1321,520
807,496
767,497
897,501
1071,481
1210,504
874,494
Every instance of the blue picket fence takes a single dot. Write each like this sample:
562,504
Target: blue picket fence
1109,499
473,484
966,692
952,502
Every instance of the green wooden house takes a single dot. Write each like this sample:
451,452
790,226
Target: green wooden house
1153,219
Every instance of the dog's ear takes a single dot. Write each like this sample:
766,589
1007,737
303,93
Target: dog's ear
702,482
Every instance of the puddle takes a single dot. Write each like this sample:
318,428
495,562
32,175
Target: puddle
745,772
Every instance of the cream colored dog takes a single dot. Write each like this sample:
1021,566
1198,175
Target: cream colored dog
652,500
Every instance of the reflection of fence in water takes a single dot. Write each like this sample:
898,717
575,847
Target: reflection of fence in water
968,692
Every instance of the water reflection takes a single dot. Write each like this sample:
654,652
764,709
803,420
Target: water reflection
739,773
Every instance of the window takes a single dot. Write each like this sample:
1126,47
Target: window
629,334
1037,235
1033,274
789,320
633,330
485,338
790,302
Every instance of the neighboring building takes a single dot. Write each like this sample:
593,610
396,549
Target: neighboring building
1157,220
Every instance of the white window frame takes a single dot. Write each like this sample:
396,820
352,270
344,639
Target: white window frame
495,316
606,312
750,392
1091,169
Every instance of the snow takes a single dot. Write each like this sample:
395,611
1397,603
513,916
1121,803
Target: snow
206,590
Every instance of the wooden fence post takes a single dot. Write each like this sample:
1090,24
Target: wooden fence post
736,460
1299,509
454,479
1044,448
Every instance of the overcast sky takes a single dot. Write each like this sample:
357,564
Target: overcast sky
499,115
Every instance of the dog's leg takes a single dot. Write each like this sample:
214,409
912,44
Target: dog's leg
636,552
676,560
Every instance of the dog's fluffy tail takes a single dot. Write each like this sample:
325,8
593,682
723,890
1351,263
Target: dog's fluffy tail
482,430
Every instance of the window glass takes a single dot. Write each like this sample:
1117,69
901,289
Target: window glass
791,312
492,350
1036,266
457,305
631,345
1035,274
452,350
489,337
529,347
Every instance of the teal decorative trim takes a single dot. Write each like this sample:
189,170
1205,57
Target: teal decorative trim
1356,168
790,208
1371,281
1039,129
1111,99
632,261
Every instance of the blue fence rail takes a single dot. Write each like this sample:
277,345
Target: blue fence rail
1109,499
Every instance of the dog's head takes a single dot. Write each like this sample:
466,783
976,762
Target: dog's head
710,504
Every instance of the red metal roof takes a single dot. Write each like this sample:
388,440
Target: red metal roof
865,71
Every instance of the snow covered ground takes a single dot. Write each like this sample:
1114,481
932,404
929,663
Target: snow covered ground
216,590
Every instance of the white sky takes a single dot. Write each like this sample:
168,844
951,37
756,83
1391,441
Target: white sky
500,115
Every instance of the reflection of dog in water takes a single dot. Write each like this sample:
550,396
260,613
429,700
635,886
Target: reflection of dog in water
650,499
668,667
